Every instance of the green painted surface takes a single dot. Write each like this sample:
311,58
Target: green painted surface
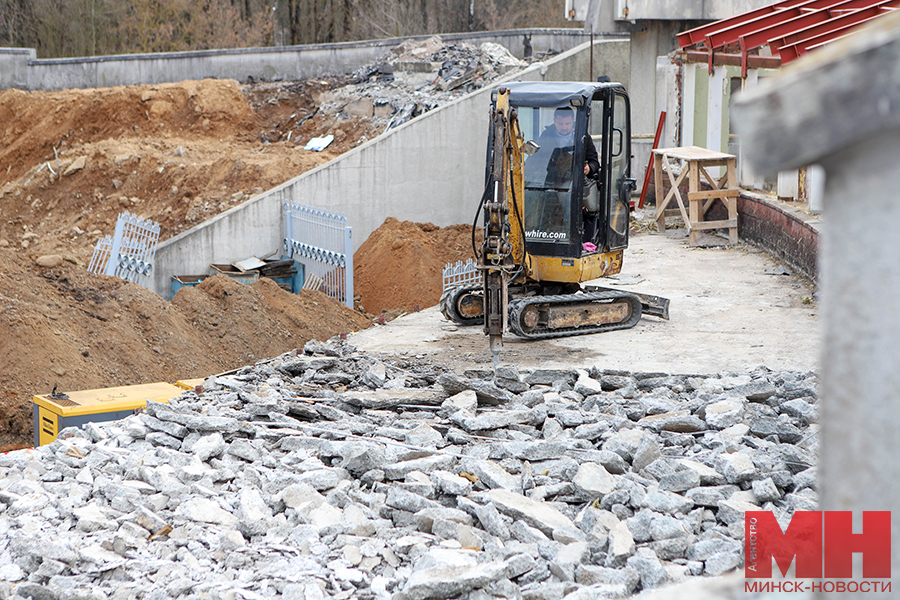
701,103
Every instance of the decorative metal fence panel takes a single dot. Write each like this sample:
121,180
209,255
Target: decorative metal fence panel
323,242
461,274
129,253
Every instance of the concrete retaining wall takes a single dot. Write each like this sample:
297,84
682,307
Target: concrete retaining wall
431,169
20,69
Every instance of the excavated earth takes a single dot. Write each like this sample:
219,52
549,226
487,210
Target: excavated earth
179,153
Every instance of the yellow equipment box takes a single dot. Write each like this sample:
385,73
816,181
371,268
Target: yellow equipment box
74,409
189,384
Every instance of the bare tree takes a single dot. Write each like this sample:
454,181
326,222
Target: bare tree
59,28
16,23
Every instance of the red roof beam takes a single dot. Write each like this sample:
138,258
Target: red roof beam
698,34
794,50
732,34
839,22
762,36
723,58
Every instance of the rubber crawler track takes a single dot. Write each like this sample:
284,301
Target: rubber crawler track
449,300
517,306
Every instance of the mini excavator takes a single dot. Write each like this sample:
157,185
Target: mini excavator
552,219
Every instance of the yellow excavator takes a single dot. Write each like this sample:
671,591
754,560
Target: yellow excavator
556,214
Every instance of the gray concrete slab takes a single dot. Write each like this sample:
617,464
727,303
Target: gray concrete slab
731,310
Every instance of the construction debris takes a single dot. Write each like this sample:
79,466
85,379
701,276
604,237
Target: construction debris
418,76
318,144
328,473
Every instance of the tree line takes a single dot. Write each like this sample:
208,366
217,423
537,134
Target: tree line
68,28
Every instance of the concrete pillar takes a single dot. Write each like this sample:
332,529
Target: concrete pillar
840,107
815,185
14,67
688,104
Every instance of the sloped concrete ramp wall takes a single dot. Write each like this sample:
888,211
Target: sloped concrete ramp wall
431,169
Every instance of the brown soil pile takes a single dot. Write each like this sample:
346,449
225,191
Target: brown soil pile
400,266
175,153
67,327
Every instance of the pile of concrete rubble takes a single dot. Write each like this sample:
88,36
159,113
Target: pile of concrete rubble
331,474
418,76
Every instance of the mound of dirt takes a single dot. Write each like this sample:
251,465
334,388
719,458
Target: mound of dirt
400,266
69,328
178,153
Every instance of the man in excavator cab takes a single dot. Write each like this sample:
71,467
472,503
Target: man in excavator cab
549,174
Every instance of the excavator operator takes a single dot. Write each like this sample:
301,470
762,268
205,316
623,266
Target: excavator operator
551,169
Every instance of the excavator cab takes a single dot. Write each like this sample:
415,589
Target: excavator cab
568,215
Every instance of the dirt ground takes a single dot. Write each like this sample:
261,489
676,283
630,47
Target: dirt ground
180,153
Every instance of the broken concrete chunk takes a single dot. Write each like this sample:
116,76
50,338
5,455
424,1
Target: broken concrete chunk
755,391
168,427
621,545
382,398
465,400
667,502
208,446
425,464
593,481
735,467
450,483
203,510
624,443
487,393
493,475
647,451
76,165
493,419
540,515
678,421
767,426
725,413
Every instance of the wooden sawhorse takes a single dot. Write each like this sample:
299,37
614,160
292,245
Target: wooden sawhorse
697,161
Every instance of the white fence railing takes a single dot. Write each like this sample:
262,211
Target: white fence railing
461,274
129,253
323,242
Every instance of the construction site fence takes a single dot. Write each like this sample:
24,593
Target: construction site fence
323,241
461,273
129,253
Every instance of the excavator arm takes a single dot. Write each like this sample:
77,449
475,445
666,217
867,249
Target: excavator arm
503,256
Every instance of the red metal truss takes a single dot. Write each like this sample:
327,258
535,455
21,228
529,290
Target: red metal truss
798,43
789,28
694,36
